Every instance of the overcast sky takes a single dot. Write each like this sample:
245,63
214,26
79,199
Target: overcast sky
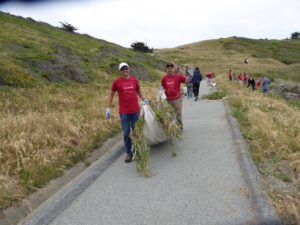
166,23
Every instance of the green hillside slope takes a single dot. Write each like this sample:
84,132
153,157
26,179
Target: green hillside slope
33,52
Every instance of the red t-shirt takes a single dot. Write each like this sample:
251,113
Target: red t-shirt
209,75
127,90
171,84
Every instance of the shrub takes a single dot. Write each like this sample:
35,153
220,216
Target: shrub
295,35
13,75
68,27
140,46
215,95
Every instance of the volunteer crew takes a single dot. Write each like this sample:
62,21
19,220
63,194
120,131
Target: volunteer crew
171,84
128,89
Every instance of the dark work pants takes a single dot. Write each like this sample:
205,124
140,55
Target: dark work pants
196,87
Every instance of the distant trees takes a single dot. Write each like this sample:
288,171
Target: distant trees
140,46
295,35
68,27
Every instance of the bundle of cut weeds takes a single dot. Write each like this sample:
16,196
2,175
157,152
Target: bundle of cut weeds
141,151
166,116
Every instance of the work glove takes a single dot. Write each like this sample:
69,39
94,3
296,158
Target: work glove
146,101
107,113
162,94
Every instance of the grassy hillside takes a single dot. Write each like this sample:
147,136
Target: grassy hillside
270,124
34,53
53,92
272,58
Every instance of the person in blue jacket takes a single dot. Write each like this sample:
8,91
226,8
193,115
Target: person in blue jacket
197,77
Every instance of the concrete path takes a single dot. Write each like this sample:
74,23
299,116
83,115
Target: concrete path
210,182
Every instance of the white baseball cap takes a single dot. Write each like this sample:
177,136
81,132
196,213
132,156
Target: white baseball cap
123,64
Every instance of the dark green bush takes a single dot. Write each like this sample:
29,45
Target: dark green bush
140,46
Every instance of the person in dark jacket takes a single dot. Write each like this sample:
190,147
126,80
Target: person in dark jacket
251,82
197,77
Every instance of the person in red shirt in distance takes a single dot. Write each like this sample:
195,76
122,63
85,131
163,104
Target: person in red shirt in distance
209,76
128,89
171,84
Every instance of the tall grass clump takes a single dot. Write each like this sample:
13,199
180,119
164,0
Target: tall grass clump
40,128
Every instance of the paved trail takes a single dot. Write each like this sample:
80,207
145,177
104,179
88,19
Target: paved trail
205,184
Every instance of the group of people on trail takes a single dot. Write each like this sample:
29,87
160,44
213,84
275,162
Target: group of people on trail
244,79
129,90
193,79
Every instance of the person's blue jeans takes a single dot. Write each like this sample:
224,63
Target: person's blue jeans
128,122
265,89
189,90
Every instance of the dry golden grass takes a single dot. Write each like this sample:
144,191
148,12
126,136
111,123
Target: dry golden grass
45,130
272,129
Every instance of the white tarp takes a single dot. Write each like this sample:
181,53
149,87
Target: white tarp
153,131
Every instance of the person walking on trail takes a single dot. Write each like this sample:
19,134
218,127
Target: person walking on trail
128,89
209,76
251,82
265,83
189,84
197,78
171,84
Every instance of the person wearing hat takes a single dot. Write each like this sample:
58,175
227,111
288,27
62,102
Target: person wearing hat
171,84
128,89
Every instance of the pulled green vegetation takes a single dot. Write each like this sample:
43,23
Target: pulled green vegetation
166,116
141,150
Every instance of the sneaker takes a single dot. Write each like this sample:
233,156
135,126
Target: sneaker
128,158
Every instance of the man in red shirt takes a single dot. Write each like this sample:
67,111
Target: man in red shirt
128,89
171,83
